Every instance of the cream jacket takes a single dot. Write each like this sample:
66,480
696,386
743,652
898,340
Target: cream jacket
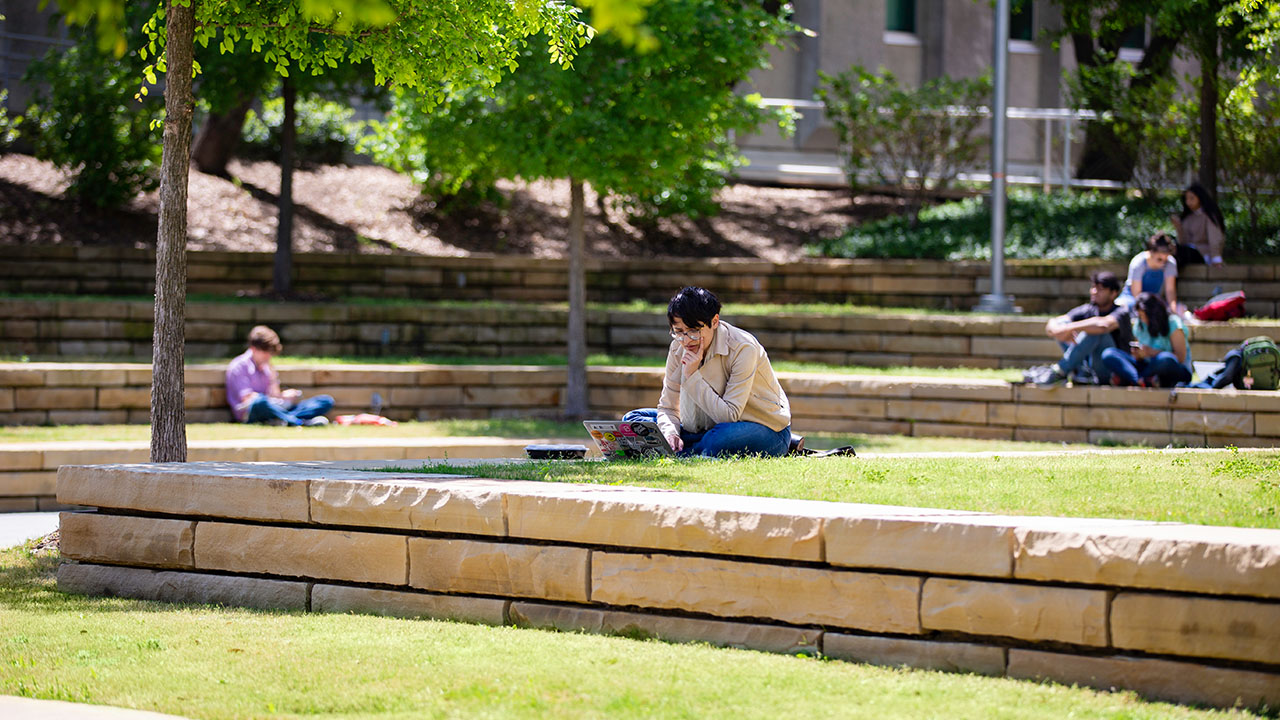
734,383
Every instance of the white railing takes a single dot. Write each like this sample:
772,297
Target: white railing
1067,116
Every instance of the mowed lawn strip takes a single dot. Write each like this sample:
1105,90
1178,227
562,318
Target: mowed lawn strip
1222,487
213,662
499,427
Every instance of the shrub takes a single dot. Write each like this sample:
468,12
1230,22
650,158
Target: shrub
1040,226
326,132
84,117
905,137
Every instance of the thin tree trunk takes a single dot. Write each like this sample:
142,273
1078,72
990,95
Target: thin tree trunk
216,142
168,384
576,393
1209,116
281,279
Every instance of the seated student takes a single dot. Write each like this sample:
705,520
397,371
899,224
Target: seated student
253,387
1200,228
719,396
1155,271
1161,354
1084,333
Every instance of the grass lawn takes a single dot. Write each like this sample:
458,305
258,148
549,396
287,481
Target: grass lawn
504,427
214,662
1224,487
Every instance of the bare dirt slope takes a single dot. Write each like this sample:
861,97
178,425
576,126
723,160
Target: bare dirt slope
369,209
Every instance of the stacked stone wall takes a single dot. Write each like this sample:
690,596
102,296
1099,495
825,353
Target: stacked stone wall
123,329
36,394
1178,612
1039,286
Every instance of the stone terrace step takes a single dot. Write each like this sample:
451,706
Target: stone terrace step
122,329
1187,613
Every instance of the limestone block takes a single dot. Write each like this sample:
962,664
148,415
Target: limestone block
1025,612
19,504
126,540
53,398
1166,556
837,406
924,654
1024,434
398,603
204,489
1267,424
509,569
1229,399
88,417
1130,397
28,483
6,399
974,413
940,344
122,397
993,391
15,458
1056,395
1213,423
983,432
1041,347
692,522
1117,418
423,396
17,375
728,588
1043,416
748,636
1197,626
931,542
512,396
438,505
302,552
94,452
1169,680
182,587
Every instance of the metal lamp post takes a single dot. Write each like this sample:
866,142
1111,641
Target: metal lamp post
996,301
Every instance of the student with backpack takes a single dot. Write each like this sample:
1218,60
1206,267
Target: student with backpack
1160,356
1254,365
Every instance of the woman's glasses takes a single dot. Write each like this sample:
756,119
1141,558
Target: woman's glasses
686,335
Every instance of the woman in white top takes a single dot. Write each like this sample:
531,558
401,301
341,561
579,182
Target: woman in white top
1155,271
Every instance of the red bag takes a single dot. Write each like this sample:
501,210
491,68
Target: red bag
1222,307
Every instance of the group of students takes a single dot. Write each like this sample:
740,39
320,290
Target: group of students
720,395
1135,334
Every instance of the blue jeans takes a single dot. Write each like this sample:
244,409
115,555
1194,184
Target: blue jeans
1130,369
724,439
1086,352
266,409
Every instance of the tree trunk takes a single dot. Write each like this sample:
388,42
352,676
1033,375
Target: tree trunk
216,142
575,405
281,279
1209,115
168,383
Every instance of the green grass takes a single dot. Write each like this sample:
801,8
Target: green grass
506,428
1041,226
213,662
1226,487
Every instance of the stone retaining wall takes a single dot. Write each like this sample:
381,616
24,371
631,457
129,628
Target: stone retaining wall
1039,286
1178,612
916,406
122,329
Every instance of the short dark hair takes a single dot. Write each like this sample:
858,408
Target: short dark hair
1106,279
264,338
694,306
1160,242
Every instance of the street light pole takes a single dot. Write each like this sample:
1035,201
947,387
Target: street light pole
996,301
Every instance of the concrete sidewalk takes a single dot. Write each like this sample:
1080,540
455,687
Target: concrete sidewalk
17,528
18,708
